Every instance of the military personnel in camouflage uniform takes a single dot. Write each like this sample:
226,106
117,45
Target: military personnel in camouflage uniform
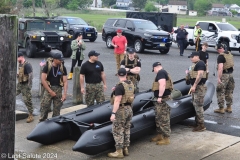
226,82
24,85
123,96
54,78
93,73
162,87
133,67
198,77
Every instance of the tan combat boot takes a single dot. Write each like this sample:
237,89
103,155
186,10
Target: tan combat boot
220,110
70,76
199,128
164,141
30,118
125,151
157,138
228,109
117,154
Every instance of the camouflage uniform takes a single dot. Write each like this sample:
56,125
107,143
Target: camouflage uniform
26,94
162,117
47,101
121,126
225,90
94,91
198,101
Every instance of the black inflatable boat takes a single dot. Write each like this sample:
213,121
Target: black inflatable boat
91,128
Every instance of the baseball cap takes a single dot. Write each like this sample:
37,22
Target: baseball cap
20,54
193,54
122,72
58,56
155,65
219,46
79,34
197,24
93,53
119,31
131,50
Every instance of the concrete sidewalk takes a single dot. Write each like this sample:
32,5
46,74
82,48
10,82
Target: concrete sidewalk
185,145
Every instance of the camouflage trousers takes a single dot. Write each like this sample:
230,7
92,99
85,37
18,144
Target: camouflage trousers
198,102
47,100
121,127
135,83
94,92
26,94
162,117
225,90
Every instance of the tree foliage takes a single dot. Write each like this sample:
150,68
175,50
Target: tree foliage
108,2
139,3
150,7
5,7
202,6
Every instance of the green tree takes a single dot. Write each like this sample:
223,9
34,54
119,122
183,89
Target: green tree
73,5
139,3
63,3
108,2
5,7
234,12
190,4
78,4
202,6
150,7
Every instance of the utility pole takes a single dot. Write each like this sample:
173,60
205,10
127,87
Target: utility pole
8,72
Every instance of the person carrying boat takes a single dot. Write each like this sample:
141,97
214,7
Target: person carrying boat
53,78
162,87
24,85
198,77
226,83
133,67
93,73
123,96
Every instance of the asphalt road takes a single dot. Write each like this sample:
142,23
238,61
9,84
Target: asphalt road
172,62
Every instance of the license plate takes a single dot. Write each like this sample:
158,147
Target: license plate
89,35
162,44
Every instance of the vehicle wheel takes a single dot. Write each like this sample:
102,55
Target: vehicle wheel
31,49
138,46
73,34
164,51
226,46
92,39
66,50
109,42
47,49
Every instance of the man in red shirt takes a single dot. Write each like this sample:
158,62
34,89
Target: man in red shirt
119,42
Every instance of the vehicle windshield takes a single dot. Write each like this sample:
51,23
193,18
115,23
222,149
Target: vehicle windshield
226,27
76,21
54,26
145,25
35,25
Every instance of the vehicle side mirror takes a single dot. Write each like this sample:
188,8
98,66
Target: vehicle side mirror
159,28
239,29
130,28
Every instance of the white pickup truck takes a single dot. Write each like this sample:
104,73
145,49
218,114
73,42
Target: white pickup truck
217,32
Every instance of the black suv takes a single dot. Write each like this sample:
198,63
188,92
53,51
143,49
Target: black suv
75,25
39,33
141,34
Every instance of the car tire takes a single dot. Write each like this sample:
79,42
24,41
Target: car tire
164,51
109,42
73,34
31,49
92,39
66,50
226,46
138,46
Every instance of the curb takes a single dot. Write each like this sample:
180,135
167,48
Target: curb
20,115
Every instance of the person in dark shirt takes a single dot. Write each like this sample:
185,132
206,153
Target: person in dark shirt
162,87
198,89
133,67
53,78
226,83
24,85
204,56
122,114
93,73
181,38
